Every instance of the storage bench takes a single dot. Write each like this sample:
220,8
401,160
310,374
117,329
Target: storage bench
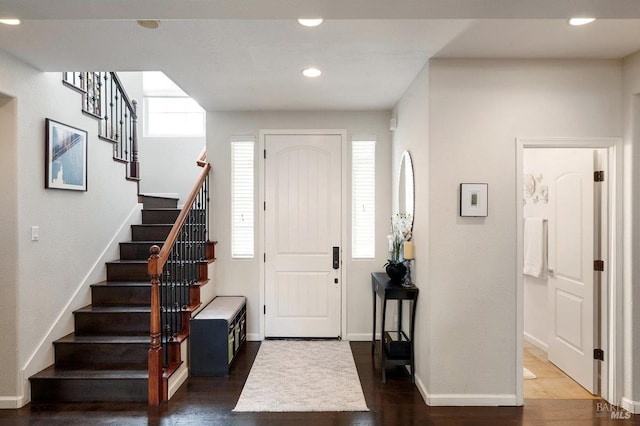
216,334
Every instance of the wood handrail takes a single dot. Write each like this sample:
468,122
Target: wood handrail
202,158
124,95
175,230
155,268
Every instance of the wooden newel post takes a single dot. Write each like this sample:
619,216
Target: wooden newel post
155,350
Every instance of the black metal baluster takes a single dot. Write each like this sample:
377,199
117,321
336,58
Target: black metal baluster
112,112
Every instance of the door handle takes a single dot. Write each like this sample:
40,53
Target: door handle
336,258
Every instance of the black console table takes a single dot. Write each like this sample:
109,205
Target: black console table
395,347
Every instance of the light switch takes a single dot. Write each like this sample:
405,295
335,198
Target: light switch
35,233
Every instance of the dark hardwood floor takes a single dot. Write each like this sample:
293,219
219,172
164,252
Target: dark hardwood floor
209,401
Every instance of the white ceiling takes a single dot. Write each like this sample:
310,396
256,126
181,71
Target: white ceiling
247,55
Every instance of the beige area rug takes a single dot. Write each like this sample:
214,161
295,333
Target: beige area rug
527,374
302,376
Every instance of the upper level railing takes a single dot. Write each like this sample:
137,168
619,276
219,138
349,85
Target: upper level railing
104,98
175,269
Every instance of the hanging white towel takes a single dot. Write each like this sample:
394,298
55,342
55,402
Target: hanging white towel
534,246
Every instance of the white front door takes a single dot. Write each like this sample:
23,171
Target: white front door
573,233
303,212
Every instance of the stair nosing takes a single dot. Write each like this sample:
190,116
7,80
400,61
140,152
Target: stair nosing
117,309
97,339
53,373
107,283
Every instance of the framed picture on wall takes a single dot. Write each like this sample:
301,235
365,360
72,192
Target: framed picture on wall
474,199
66,157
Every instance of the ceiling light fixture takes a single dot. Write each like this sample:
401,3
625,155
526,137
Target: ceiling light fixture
311,72
10,21
314,22
150,24
580,21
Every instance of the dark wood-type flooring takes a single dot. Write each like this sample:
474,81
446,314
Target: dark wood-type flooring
209,401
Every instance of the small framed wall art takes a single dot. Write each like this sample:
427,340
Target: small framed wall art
66,157
474,199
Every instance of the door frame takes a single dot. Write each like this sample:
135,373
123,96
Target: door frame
343,214
611,317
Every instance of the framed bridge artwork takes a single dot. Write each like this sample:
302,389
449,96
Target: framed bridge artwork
66,157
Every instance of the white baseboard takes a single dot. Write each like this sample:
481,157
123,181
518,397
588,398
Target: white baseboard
459,400
253,337
536,342
472,400
421,388
12,402
631,406
182,374
177,379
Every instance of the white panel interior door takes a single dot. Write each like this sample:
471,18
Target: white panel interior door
571,254
303,187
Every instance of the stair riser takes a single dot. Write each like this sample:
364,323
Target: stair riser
127,272
88,390
159,216
132,296
94,356
130,323
150,233
124,296
159,203
136,251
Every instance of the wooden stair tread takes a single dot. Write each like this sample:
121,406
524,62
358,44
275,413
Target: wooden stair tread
97,339
125,309
53,373
122,284
128,261
152,242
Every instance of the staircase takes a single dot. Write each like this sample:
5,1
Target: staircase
106,358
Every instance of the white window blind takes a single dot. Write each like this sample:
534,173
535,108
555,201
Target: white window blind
363,195
242,198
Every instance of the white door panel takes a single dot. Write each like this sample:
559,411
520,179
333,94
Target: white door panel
571,256
303,224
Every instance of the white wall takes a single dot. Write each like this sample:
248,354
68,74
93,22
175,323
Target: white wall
631,293
167,164
53,274
241,277
9,238
412,134
476,109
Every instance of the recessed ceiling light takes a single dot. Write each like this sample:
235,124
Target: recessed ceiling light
580,21
311,72
10,21
310,22
150,24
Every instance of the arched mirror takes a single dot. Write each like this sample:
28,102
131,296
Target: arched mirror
406,193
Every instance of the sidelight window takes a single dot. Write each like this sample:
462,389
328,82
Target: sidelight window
363,196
